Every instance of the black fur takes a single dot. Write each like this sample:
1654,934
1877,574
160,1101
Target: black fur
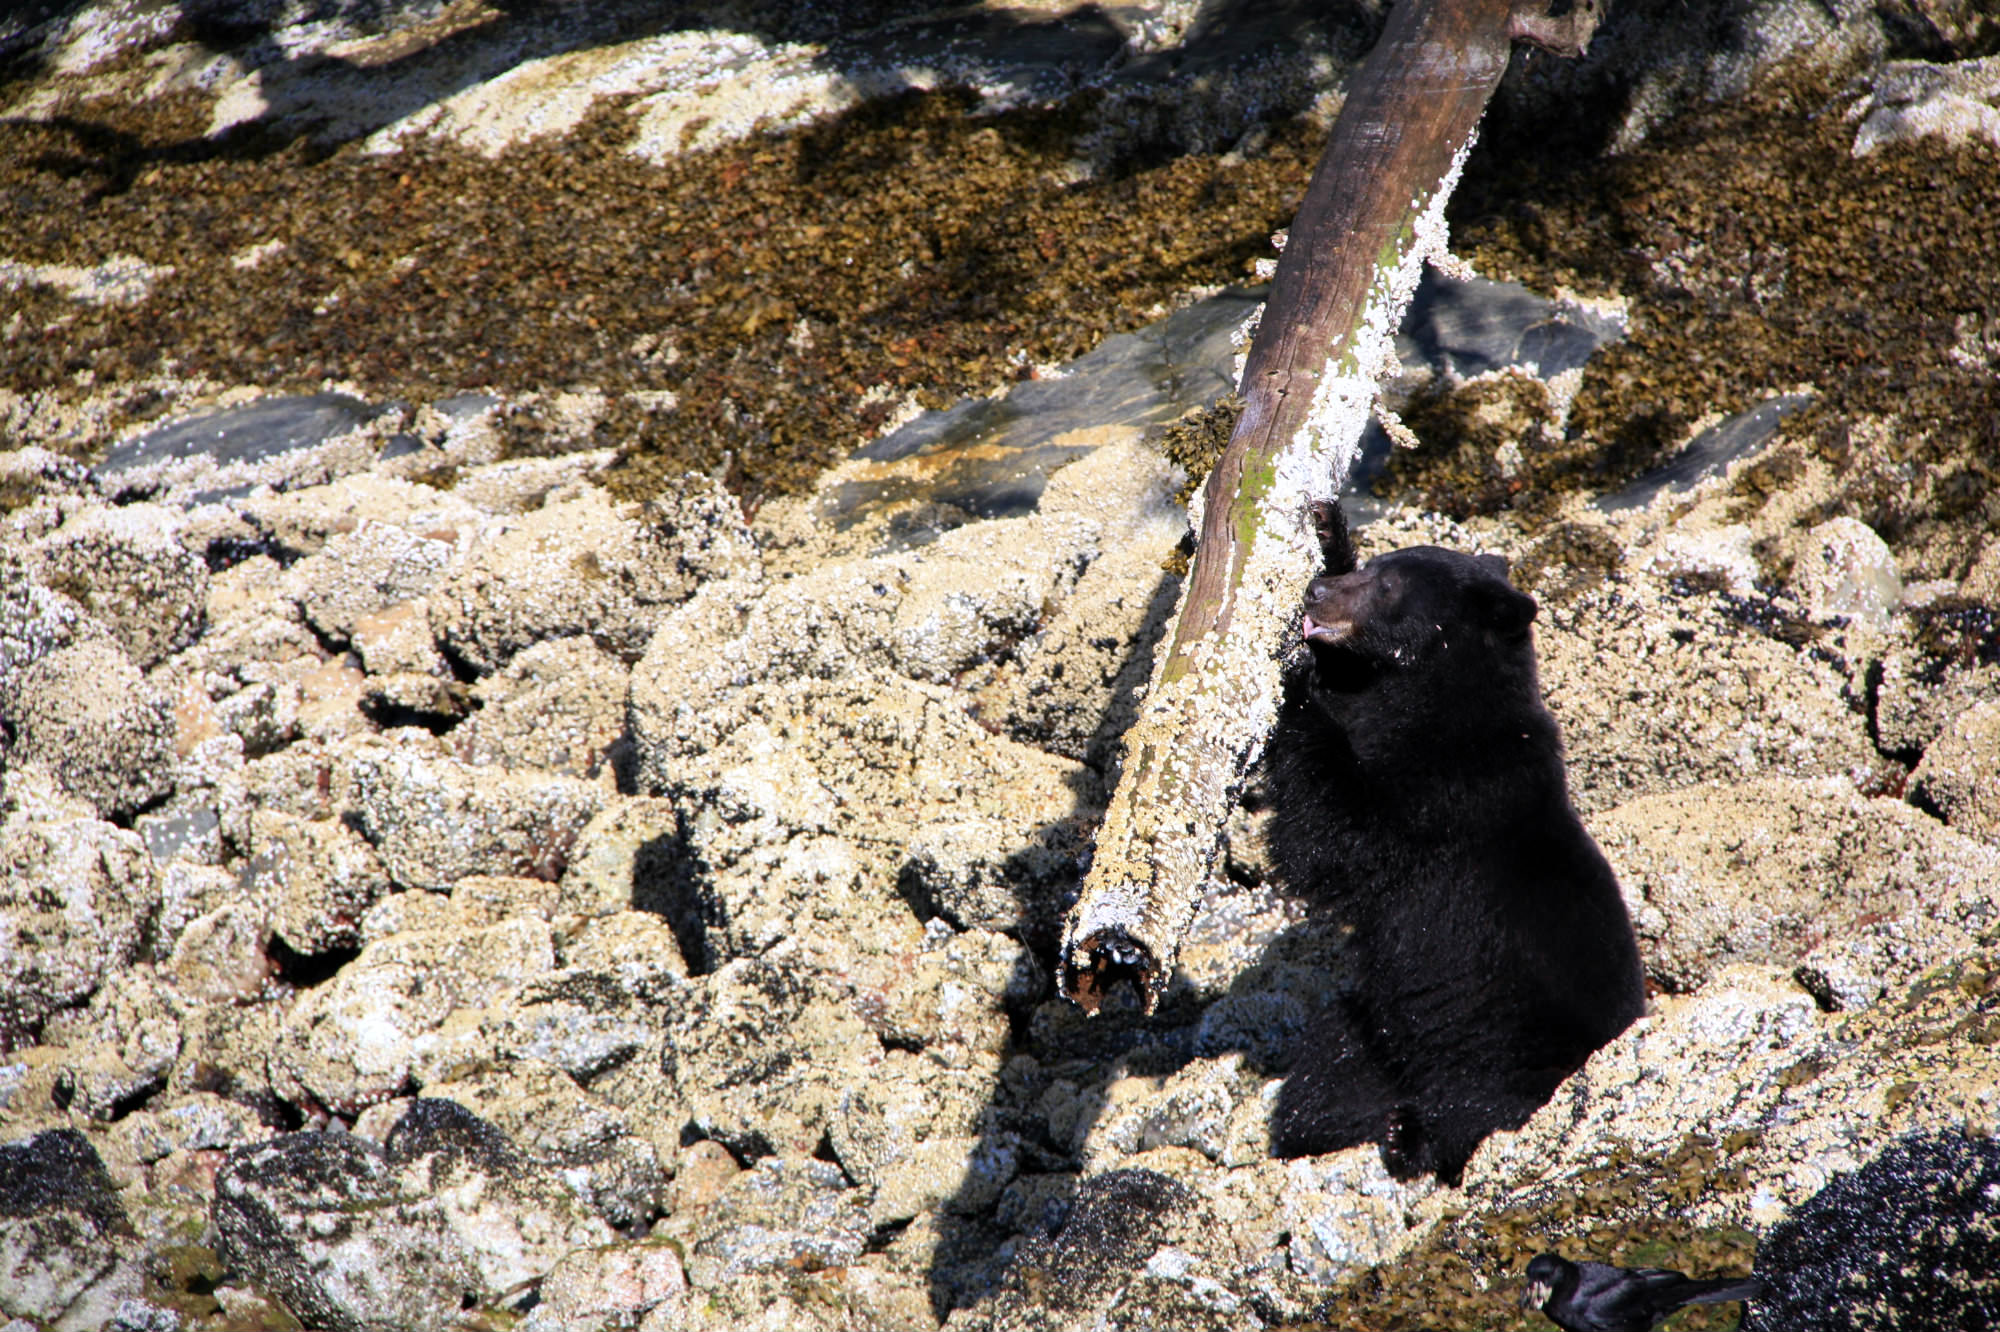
1419,796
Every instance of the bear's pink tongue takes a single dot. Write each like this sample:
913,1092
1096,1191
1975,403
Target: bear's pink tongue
1325,633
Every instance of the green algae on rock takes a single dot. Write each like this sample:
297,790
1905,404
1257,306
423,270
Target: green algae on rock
770,301
1758,255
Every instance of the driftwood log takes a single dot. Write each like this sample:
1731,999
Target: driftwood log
1372,215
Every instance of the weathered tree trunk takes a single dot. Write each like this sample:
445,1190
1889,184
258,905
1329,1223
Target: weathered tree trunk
1372,215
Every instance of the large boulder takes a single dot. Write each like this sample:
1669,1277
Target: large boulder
86,713
1959,776
1862,895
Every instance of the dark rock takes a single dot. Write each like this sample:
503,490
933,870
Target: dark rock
992,457
63,1234
1114,1223
245,434
436,1127
1708,453
1910,1240
466,405
320,1222
58,1171
780,1215
1462,327
194,829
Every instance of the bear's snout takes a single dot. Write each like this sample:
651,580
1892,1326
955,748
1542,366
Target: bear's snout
1333,607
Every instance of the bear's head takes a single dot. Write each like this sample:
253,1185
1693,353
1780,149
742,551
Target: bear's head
1418,637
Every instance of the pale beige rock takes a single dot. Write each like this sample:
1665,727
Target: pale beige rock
1982,580
635,940
330,700
86,712
220,957
891,767
1917,696
396,639
585,566
783,1212
229,1047
264,713
305,780
947,992
592,1023
512,1219
306,519
406,912
77,897
1750,1060
1909,100
1631,669
189,891
747,1053
248,675
197,1122
626,856
365,571
32,1079
1864,894
1960,773
326,1223
250,587
317,877
354,1040
522,485
406,672
931,614
910,1132
127,567
612,1286
489,899
121,1043
558,706
1345,1212
601,1150
1195,1108
1846,569
434,820
702,1170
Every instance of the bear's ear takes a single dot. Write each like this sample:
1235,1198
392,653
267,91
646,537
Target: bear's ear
1504,610
1493,564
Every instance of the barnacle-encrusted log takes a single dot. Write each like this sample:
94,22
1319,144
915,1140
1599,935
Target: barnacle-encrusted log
1372,215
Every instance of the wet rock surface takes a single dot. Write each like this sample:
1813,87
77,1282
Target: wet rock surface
496,831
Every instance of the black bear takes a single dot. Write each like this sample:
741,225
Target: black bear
1418,795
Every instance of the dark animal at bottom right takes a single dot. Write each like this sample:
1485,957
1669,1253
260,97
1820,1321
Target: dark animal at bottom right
1596,1297
1419,796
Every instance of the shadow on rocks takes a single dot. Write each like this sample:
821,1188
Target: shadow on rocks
1067,1230
309,92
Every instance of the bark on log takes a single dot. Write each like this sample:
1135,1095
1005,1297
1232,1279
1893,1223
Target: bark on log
1371,216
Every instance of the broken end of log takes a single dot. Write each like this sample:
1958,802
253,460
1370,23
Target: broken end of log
1093,967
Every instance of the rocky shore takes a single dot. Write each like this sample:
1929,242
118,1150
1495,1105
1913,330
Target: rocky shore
491,848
